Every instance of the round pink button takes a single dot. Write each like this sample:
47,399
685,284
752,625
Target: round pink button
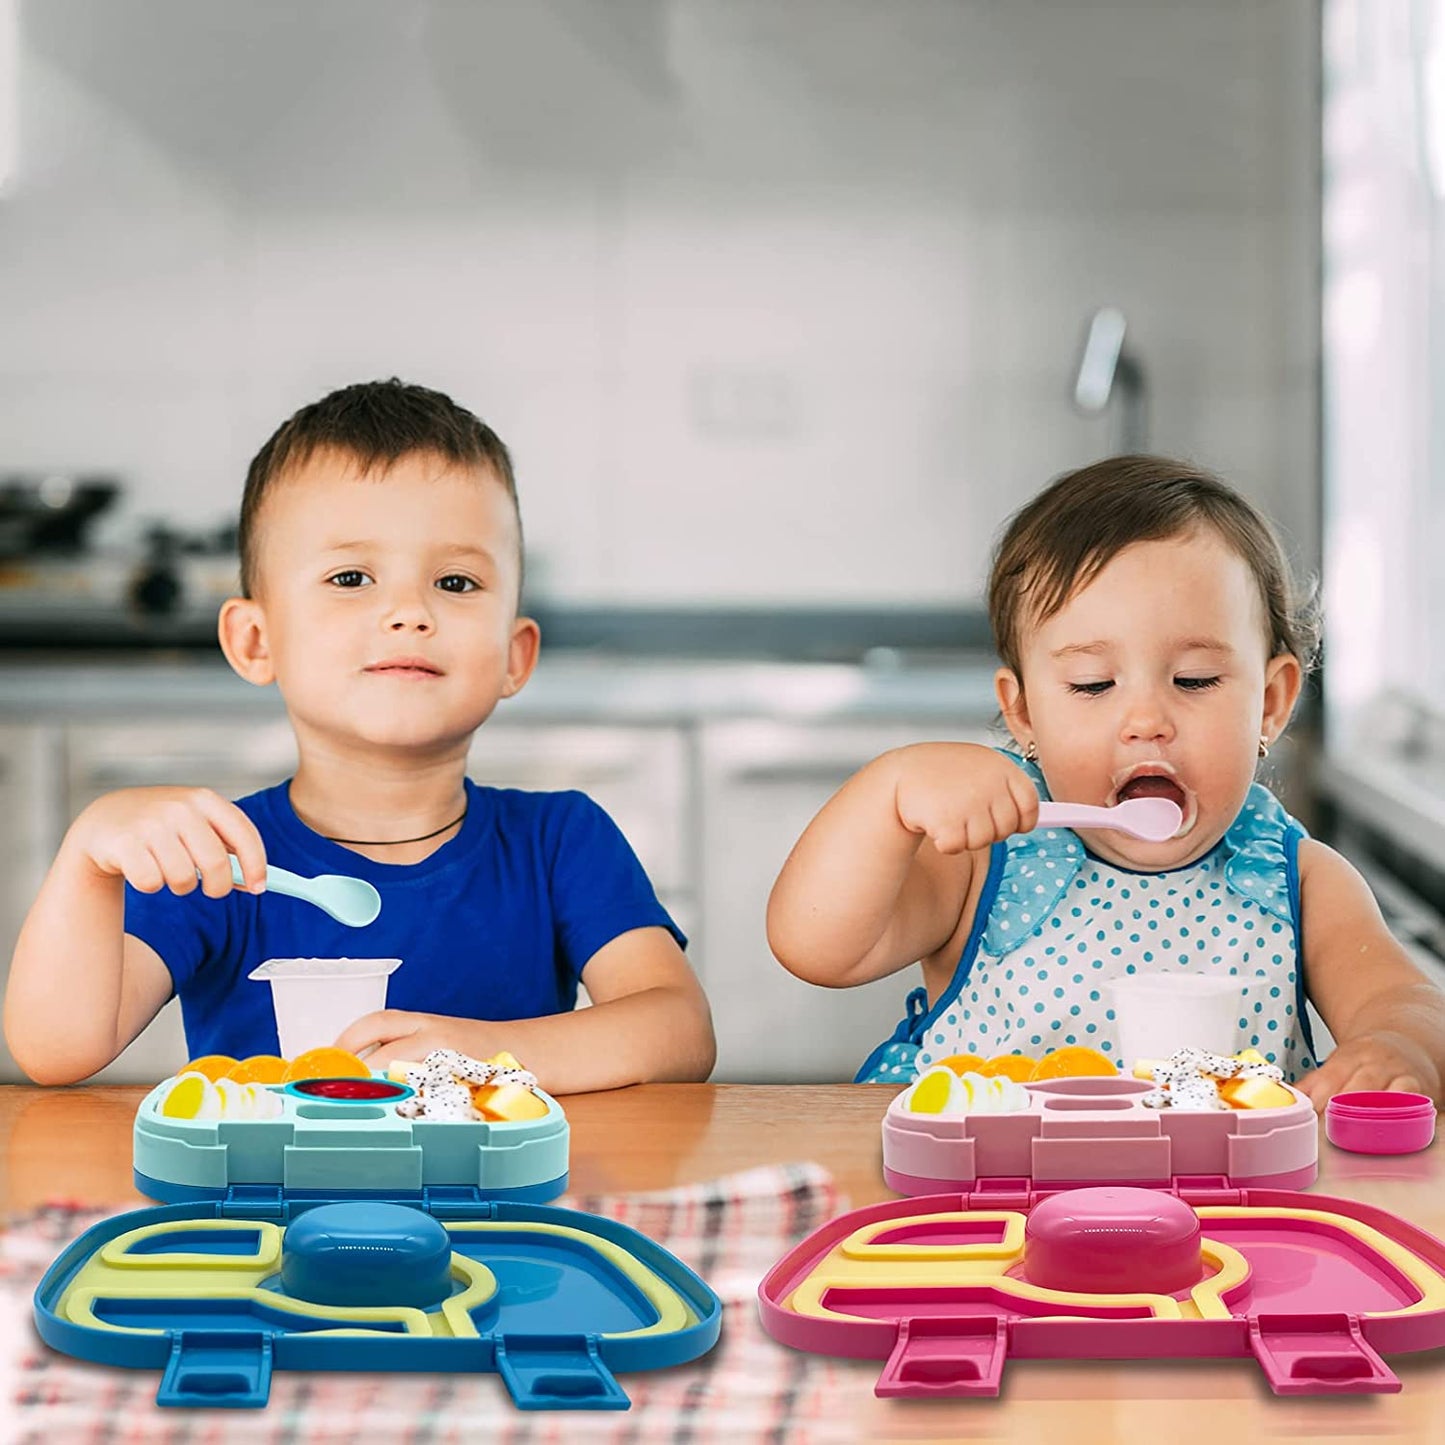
1113,1240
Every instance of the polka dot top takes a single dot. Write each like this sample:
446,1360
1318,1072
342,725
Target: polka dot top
1055,923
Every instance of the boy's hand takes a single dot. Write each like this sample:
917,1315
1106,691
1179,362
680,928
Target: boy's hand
172,838
395,1033
1372,1061
963,797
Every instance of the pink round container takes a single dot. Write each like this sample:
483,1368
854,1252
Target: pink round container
1376,1121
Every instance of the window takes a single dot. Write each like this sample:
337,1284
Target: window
1384,336
1384,398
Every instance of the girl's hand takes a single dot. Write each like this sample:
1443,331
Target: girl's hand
963,797
1372,1061
172,838
394,1033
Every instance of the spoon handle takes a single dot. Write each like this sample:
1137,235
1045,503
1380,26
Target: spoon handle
1154,820
278,880
1075,815
351,901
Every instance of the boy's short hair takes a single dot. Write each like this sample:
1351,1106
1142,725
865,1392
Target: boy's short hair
1059,542
375,423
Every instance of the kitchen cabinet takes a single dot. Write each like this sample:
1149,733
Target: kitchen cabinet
234,758
710,770
231,757
30,805
639,774
762,781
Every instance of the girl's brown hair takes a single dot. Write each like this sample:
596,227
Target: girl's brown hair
1062,540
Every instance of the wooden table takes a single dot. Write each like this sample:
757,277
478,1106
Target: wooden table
76,1144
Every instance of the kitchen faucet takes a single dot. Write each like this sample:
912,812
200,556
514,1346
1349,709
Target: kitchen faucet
1105,366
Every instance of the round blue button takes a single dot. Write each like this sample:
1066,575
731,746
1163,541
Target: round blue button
367,1253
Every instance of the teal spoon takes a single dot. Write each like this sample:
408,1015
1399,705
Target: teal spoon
352,901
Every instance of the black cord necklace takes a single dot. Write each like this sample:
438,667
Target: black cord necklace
397,842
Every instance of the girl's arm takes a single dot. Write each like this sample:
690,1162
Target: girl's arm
1387,1017
883,875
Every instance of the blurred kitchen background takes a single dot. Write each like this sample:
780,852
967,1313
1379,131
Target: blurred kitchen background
783,306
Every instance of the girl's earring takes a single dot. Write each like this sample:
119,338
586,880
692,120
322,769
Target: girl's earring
1263,746
1031,752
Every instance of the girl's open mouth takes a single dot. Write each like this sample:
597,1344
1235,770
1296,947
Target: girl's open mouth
1155,781
1153,785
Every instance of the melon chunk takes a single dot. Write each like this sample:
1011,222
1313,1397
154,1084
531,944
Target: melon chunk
503,1103
1255,1094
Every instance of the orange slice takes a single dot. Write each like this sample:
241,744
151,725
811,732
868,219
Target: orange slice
325,1063
213,1066
260,1069
1008,1066
1075,1061
962,1063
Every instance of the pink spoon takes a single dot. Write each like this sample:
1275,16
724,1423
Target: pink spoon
1153,819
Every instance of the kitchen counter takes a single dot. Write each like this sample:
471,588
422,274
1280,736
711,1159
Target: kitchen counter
687,755
1400,798
568,687
79,607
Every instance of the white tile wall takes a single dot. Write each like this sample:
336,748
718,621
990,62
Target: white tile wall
773,301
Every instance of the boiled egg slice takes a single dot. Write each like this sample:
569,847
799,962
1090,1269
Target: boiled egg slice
238,1101
192,1096
939,1091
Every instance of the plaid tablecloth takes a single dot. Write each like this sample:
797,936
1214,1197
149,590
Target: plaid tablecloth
748,1389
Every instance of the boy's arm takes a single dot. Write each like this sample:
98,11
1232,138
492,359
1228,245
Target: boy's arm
80,989
883,875
1387,1017
649,1023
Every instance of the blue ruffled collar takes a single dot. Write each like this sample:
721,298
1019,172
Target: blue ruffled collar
1043,864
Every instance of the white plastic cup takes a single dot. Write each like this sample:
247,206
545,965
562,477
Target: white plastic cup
1157,1014
315,998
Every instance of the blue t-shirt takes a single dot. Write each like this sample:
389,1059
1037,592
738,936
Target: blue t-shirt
498,923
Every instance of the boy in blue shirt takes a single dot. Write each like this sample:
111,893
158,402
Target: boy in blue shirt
381,559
